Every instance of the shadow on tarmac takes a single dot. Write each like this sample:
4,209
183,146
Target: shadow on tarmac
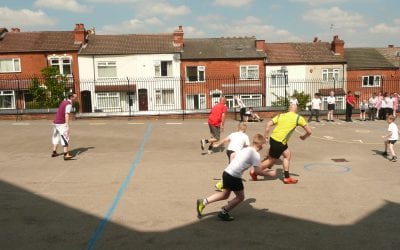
29,221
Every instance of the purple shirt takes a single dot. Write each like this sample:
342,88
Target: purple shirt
65,107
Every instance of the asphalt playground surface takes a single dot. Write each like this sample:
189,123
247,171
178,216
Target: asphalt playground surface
134,185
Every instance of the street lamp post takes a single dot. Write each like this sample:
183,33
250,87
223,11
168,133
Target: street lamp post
285,75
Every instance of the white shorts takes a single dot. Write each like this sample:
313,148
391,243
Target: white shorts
60,134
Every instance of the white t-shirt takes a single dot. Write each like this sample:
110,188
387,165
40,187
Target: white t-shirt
394,130
316,103
331,100
238,140
243,160
389,102
293,101
240,103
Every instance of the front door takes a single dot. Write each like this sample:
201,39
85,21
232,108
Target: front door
143,104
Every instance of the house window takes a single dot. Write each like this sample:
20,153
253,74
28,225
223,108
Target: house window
195,73
107,100
278,79
371,81
7,99
330,74
163,68
196,101
249,72
62,64
107,69
10,65
252,100
164,96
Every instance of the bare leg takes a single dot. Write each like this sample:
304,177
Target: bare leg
286,159
235,201
219,196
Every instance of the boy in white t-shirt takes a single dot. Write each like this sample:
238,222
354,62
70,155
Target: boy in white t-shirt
315,107
237,141
232,178
392,137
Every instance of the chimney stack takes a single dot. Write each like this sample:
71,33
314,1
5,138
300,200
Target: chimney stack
337,46
390,46
178,37
260,45
79,33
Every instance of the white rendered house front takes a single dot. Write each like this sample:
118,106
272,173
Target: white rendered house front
147,83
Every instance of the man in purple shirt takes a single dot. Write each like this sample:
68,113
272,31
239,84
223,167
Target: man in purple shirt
61,126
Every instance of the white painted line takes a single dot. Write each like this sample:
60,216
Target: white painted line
98,123
136,123
328,137
173,123
360,141
21,124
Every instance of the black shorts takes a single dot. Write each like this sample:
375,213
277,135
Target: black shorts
331,106
276,148
392,141
228,153
215,131
232,183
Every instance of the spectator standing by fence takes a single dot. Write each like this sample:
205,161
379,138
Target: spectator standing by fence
331,105
350,103
372,107
61,129
242,108
315,107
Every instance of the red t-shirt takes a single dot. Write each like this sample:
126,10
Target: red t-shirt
350,100
215,117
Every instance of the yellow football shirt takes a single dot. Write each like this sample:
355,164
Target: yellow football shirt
285,124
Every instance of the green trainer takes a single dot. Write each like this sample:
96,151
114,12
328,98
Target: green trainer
219,186
199,207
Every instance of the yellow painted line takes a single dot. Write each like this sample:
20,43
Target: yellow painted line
136,123
173,123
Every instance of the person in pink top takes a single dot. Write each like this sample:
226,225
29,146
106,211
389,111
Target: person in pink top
395,103
216,121
61,126
378,104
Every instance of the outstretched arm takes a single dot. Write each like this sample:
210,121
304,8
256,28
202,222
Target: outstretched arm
308,131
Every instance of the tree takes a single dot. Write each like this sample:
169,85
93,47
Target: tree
51,92
302,98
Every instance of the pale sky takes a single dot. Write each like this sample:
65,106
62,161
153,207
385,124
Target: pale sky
360,23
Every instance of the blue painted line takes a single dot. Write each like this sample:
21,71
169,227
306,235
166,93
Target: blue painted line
102,225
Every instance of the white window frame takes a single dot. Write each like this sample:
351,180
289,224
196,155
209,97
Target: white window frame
201,73
278,79
376,81
159,68
108,95
161,97
245,72
7,93
329,74
252,100
58,61
190,102
15,65
105,64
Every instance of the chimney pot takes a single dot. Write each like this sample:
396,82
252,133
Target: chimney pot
390,46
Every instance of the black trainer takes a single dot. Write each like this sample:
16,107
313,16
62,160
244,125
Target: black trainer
225,216
55,154
394,159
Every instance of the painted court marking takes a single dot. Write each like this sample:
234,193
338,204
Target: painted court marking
103,223
135,123
173,123
327,168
